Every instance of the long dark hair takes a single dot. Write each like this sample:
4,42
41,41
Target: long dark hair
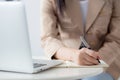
61,5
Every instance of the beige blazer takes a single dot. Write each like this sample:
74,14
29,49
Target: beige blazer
102,29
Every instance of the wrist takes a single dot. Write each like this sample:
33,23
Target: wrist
59,53
65,53
75,55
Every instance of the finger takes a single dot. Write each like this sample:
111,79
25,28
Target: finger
99,57
85,62
92,53
91,59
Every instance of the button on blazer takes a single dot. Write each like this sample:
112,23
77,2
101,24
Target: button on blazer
102,29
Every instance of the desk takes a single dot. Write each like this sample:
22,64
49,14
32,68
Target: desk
54,74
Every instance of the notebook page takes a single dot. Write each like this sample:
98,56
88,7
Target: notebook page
69,64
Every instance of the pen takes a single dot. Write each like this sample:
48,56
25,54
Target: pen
84,44
98,60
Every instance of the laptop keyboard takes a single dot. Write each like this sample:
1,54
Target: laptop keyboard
35,65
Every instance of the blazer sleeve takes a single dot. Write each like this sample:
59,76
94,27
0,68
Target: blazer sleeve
49,31
110,51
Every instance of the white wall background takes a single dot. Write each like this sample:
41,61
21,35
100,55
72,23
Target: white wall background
33,17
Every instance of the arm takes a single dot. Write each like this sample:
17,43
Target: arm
49,31
110,51
52,45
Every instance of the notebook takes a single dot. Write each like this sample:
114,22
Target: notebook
69,64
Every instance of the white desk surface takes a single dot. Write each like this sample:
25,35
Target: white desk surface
54,74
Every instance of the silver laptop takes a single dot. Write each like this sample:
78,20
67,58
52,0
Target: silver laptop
15,50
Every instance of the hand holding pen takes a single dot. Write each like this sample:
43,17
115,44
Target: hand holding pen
84,44
84,56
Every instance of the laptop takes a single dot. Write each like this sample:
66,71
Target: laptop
15,50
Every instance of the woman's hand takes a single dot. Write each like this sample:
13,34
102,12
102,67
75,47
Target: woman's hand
83,56
86,57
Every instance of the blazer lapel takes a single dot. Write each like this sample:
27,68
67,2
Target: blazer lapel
94,8
74,12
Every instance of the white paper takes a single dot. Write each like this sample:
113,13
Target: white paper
69,64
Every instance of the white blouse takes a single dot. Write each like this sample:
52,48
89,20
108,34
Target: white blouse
84,9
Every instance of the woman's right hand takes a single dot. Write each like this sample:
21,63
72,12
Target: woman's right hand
86,56
83,56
